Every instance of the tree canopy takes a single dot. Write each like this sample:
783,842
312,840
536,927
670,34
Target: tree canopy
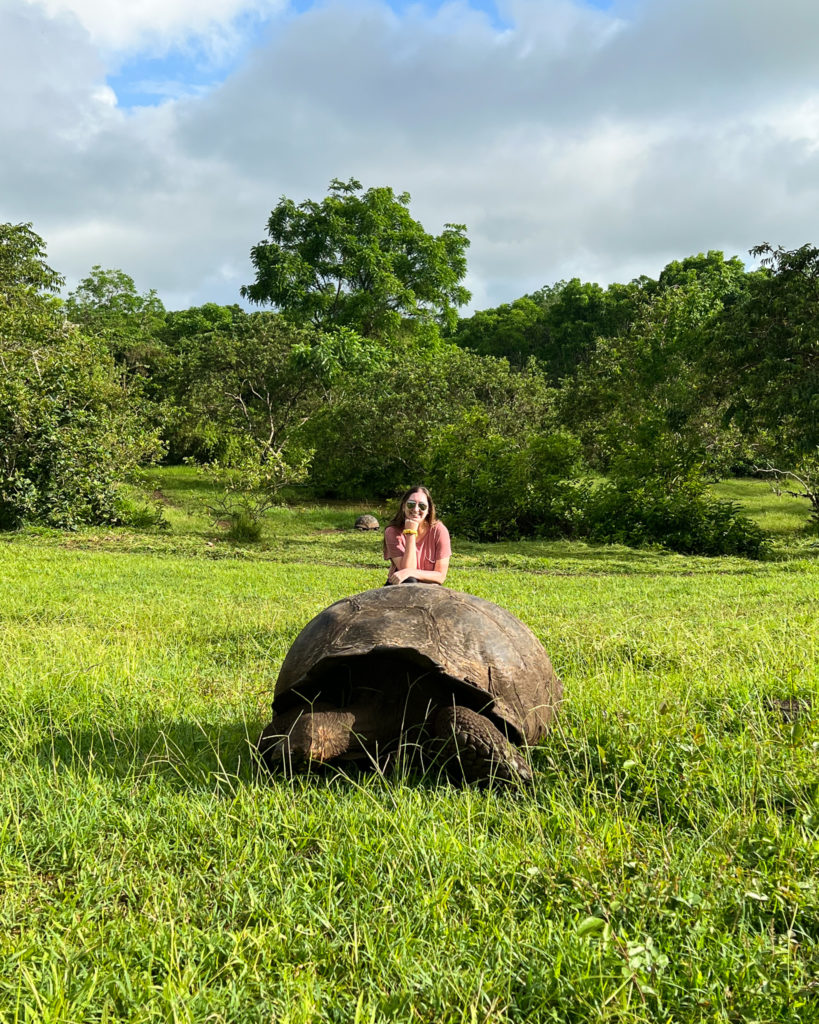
576,410
22,263
765,362
358,259
70,430
107,306
558,324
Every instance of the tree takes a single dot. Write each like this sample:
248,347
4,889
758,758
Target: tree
511,331
558,324
107,305
69,427
23,270
182,327
496,484
28,309
244,390
377,433
70,433
721,278
358,259
765,365
643,402
576,314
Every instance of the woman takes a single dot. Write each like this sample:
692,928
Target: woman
415,542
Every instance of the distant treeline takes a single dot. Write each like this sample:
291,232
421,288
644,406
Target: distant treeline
576,411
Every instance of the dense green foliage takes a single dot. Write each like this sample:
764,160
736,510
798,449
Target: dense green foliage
497,484
766,355
558,325
358,259
665,391
106,305
683,518
363,383
662,867
241,387
385,422
70,434
69,429
644,397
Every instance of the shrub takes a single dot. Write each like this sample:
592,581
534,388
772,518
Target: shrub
377,433
242,391
241,507
494,486
680,517
70,435
244,527
143,516
70,430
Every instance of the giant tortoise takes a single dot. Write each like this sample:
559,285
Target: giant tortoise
413,667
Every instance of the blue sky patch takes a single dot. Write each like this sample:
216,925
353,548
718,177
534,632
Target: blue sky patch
146,80
400,6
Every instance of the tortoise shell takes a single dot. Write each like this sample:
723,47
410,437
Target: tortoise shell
475,649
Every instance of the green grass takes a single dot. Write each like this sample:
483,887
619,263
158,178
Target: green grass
782,516
663,867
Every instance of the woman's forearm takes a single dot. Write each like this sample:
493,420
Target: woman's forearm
409,560
429,575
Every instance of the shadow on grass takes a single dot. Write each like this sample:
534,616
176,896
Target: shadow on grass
183,754
195,757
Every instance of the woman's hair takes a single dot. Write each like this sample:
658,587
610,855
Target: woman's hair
398,519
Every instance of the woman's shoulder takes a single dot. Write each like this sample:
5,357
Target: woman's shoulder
439,529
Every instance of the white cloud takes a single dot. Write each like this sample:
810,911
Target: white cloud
156,24
576,142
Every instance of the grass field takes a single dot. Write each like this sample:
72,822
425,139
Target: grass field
663,867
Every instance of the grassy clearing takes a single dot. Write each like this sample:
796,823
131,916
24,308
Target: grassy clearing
782,516
664,866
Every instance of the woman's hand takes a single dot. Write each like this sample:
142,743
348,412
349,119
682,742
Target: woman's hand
401,574
412,520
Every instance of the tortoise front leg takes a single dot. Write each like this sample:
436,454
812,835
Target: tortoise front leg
475,750
308,733
322,733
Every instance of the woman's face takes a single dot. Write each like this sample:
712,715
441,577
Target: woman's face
416,507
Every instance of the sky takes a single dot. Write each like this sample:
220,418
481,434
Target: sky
597,139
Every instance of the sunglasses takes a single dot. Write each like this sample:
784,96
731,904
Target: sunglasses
411,506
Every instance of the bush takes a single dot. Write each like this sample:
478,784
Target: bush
378,432
681,517
244,528
143,516
70,435
496,486
239,507
241,391
70,431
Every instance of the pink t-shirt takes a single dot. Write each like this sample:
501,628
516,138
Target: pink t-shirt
432,547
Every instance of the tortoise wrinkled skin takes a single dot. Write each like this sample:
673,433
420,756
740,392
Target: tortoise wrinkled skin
414,656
